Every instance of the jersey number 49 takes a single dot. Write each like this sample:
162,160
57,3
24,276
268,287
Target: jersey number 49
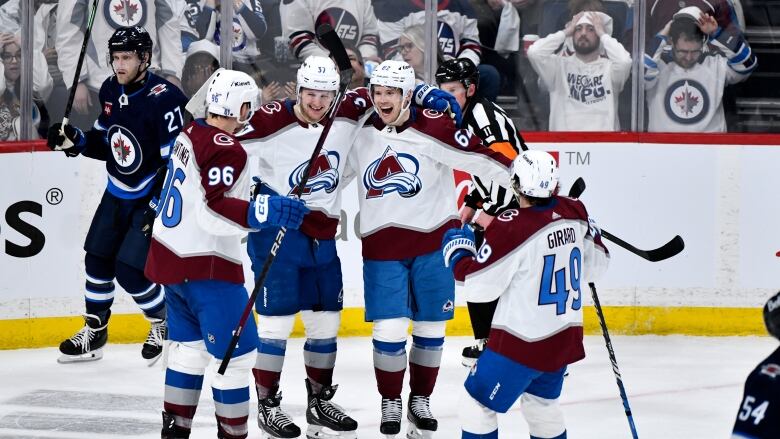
557,279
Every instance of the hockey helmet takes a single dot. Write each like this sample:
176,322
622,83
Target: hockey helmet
396,74
534,173
228,91
772,315
317,73
131,39
458,69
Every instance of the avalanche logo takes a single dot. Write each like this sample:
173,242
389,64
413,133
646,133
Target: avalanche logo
324,174
447,39
125,149
343,22
389,174
686,102
120,13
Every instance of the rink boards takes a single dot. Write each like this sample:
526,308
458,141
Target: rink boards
716,191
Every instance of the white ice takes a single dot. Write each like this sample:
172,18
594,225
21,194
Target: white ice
678,387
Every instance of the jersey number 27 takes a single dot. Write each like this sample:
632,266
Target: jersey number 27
553,291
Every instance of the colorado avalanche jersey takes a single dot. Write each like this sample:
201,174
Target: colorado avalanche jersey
406,190
134,133
583,96
282,146
457,31
353,20
163,19
759,412
537,261
203,214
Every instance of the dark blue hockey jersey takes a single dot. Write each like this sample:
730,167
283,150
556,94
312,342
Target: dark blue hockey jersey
759,412
134,133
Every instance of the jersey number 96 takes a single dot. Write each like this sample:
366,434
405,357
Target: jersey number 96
171,196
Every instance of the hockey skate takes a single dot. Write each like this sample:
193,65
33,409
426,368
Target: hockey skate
274,422
391,417
87,344
422,424
153,346
472,353
326,419
170,430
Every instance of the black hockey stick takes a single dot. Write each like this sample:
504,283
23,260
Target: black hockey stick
79,64
613,359
666,251
330,40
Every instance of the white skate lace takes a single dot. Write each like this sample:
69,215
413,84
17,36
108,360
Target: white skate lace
391,410
156,335
420,406
84,337
333,411
278,418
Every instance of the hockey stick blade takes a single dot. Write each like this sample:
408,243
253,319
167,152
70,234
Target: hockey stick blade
666,251
577,188
330,40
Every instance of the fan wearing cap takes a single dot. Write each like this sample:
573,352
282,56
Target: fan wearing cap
685,85
758,415
583,87
537,327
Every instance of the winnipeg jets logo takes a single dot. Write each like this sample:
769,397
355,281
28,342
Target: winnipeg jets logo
157,89
239,37
342,21
771,369
324,174
125,149
125,12
393,172
686,101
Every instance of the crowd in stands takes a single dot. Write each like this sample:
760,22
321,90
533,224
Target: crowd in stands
557,64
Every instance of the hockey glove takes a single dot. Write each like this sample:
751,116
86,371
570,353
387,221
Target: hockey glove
428,96
276,211
456,244
150,213
72,142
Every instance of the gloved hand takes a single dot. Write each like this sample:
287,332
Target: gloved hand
428,96
150,213
276,211
72,143
456,244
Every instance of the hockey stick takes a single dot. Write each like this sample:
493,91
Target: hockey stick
330,40
77,73
666,251
613,359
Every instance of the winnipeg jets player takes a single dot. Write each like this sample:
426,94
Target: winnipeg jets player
141,116
404,159
536,260
196,254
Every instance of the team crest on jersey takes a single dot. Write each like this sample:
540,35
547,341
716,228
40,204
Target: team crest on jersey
157,89
393,172
120,13
686,101
272,107
432,114
324,173
239,37
125,149
447,41
771,369
343,22
448,306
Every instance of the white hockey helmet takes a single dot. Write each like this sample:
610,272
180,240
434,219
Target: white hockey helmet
396,74
228,91
317,73
534,173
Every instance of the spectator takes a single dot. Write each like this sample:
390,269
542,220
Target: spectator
249,26
202,60
411,48
353,20
685,88
583,87
10,71
359,77
162,18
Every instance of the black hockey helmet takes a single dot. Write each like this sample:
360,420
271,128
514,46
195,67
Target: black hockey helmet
131,39
458,69
772,315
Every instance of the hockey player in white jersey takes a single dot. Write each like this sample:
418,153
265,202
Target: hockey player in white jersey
685,87
306,274
404,159
196,254
536,260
